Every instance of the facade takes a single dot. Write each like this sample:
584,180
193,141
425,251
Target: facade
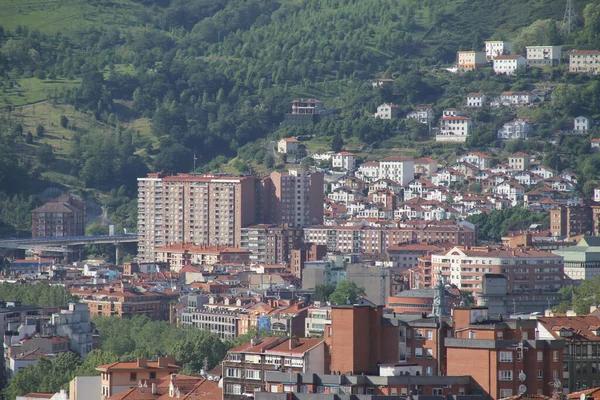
509,64
470,60
344,160
495,48
222,323
180,255
418,301
288,146
397,169
75,324
307,106
121,376
195,209
539,56
571,221
480,160
308,252
85,388
63,216
526,269
454,129
245,366
582,261
476,100
387,111
316,320
519,161
423,114
270,244
295,198
582,124
584,61
518,129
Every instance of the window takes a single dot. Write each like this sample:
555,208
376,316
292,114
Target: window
437,391
252,374
505,393
540,374
370,390
418,352
235,388
505,375
429,353
540,356
288,388
273,389
506,356
419,334
499,335
133,376
555,356
429,334
233,373
429,371
152,375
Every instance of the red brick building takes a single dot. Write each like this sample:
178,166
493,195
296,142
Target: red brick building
63,216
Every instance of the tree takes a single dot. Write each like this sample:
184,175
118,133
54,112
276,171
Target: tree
45,154
337,142
322,292
39,130
346,292
28,137
64,121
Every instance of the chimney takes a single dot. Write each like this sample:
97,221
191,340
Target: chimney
142,362
163,362
154,388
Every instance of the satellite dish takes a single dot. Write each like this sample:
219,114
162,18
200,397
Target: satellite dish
522,376
522,388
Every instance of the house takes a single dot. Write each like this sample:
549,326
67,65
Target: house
452,112
63,216
509,64
539,56
543,171
398,169
381,82
584,61
480,160
595,143
288,146
387,111
454,129
511,190
307,106
495,48
368,171
514,130
597,195
425,166
514,99
344,160
519,161
62,395
582,124
424,114
476,100
470,60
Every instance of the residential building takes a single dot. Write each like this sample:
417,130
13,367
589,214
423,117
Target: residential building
220,322
518,129
454,129
480,160
509,64
63,216
495,48
539,56
85,388
470,60
406,255
75,324
581,358
425,167
13,315
295,198
397,169
343,160
382,82
477,100
387,111
288,146
526,269
245,366
179,255
195,209
424,114
571,221
584,61
519,161
368,171
582,261
61,395
501,355
418,301
19,361
582,124
271,244
121,376
307,106
511,98
176,386
308,252
316,320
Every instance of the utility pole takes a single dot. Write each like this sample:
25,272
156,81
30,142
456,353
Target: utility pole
569,18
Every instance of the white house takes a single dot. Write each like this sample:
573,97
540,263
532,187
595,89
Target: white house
514,99
476,100
470,60
480,160
381,82
387,111
582,124
368,171
509,64
454,129
288,145
511,190
513,130
425,166
495,48
539,56
452,112
543,171
595,144
343,160
397,169
423,114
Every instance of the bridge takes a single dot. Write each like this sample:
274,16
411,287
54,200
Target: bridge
67,244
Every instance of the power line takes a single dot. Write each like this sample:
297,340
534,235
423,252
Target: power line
569,18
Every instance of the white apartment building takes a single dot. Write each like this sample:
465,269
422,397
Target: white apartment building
539,56
344,160
513,191
514,99
514,130
470,60
584,61
423,114
316,319
368,171
495,48
509,64
454,129
477,100
387,111
480,160
397,169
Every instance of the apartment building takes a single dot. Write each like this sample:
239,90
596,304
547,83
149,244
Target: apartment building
571,221
307,106
308,252
539,56
424,114
477,100
584,61
270,244
470,60
495,48
316,320
387,111
245,366
13,314
294,198
519,161
220,322
121,376
526,269
397,169
179,255
501,356
455,128
480,160
370,240
509,64
63,216
195,209
343,160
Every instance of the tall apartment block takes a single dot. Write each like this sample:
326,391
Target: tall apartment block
294,198
195,209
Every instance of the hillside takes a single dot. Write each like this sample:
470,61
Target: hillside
146,84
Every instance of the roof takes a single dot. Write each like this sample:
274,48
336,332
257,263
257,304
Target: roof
456,118
582,326
39,395
520,154
290,140
396,159
593,392
476,94
508,57
132,366
584,52
304,345
345,153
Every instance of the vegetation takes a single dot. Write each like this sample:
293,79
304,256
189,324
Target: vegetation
492,226
41,294
346,292
322,292
580,298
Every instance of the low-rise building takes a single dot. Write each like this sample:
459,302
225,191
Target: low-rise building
582,261
288,145
509,64
519,161
316,320
454,129
382,82
584,61
180,255
582,124
398,169
387,111
477,100
343,160
424,114
539,56
511,98
470,60
223,323
307,106
480,160
518,129
495,48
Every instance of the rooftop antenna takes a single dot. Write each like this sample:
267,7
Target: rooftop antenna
569,18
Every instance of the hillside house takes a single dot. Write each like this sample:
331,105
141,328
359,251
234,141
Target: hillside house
454,129
514,130
519,161
540,56
381,82
423,114
476,100
480,160
343,160
387,111
509,64
584,61
495,48
470,60
288,146
582,124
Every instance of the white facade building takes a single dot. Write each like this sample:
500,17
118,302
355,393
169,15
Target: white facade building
495,48
423,114
514,130
344,160
509,64
387,111
470,60
454,129
584,61
397,169
582,124
539,56
477,100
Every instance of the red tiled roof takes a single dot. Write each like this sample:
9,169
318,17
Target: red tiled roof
39,395
583,52
456,118
290,140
